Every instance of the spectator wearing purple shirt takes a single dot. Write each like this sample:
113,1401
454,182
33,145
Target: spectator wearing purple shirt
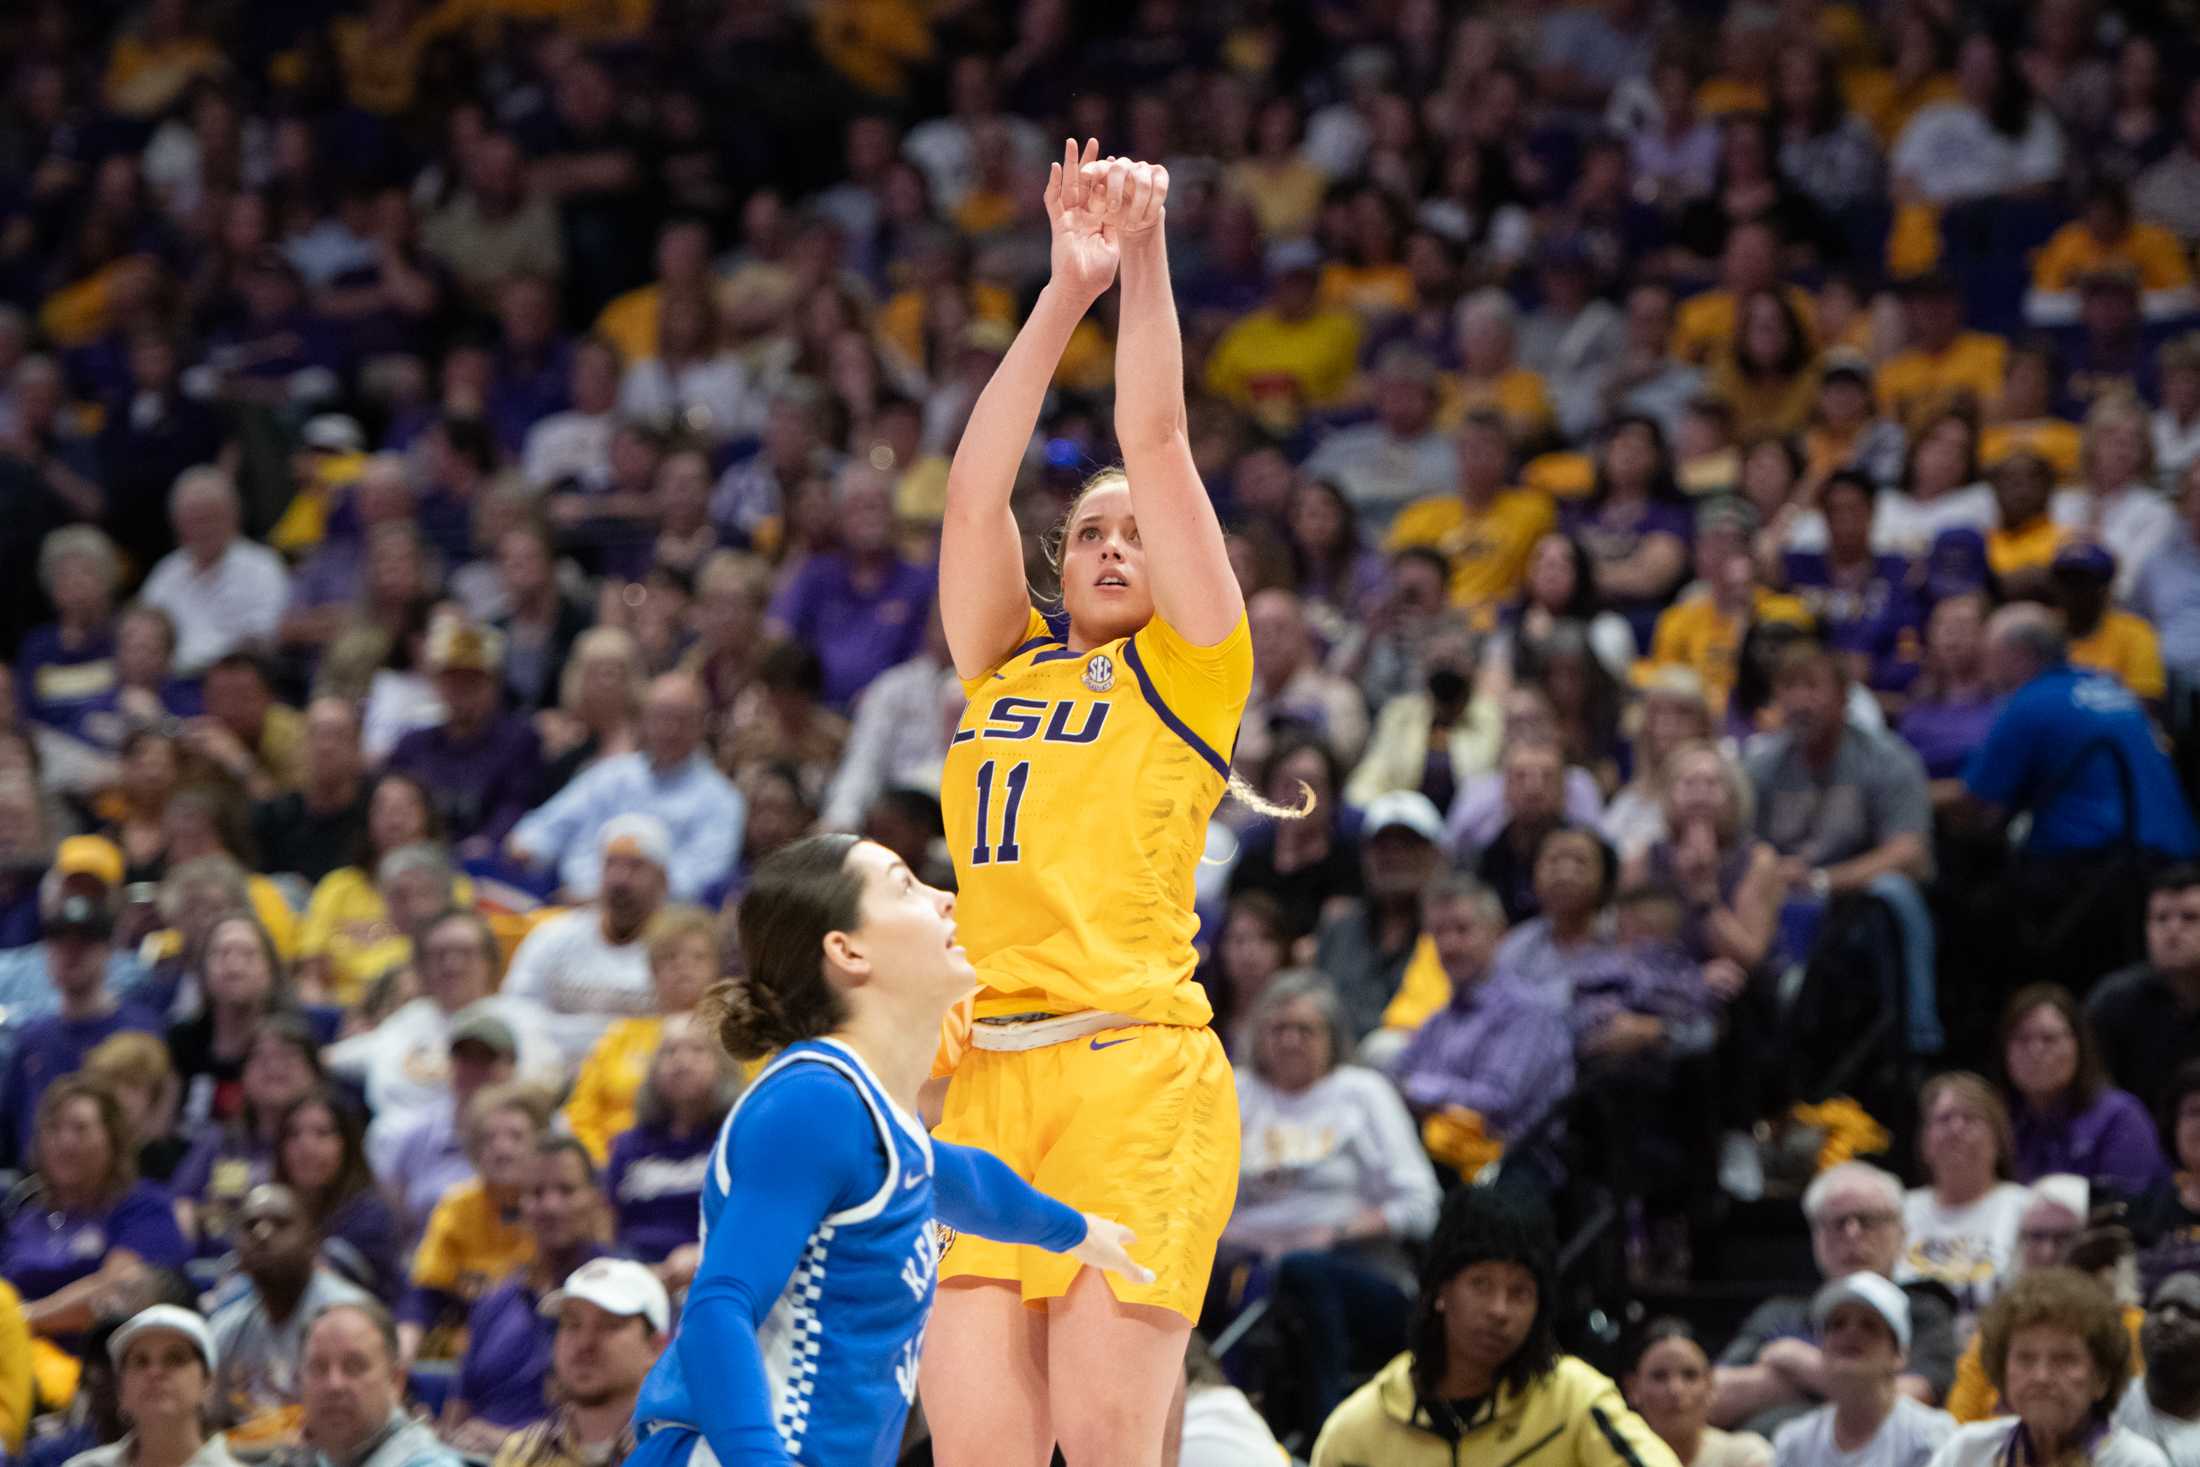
79,940
534,364
861,608
481,766
1571,871
321,1155
1952,706
1635,526
502,1377
68,665
331,581
1862,601
2067,1116
93,1223
655,1176
1500,1048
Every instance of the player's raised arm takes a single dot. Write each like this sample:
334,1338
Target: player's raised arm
983,601
1194,589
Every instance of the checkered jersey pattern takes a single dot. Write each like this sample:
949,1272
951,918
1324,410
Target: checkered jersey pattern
803,1339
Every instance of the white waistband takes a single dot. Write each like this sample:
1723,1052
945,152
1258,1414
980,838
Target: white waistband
1014,1034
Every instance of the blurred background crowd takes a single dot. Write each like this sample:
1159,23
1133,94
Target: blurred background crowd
1717,489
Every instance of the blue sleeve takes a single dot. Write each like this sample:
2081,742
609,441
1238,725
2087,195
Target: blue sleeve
2000,769
803,1147
974,1192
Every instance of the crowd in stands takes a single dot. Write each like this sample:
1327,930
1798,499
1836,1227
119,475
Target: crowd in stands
1717,492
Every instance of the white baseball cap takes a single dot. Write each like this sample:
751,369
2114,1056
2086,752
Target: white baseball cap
1875,1292
1404,810
616,1286
172,1317
638,835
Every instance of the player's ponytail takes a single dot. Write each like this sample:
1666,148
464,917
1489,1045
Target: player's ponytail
1241,789
800,893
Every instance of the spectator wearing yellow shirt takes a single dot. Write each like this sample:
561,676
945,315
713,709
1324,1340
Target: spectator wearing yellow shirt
1942,359
1284,189
1490,377
348,937
1703,632
1704,325
155,60
1486,530
1373,280
1292,354
2106,236
474,1238
2102,636
2025,419
629,322
2025,539
1768,374
380,53
1922,73
683,961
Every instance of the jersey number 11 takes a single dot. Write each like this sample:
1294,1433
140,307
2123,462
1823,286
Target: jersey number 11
1012,802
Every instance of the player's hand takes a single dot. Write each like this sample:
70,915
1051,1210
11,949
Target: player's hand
1107,1247
1131,196
1084,253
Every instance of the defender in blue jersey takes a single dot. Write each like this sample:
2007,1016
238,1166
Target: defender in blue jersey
802,1330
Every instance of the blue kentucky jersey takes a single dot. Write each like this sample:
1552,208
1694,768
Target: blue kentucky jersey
840,1345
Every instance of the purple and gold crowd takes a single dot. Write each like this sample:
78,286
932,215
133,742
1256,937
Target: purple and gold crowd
1716,485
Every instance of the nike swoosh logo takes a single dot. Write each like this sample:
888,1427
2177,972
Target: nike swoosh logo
912,1180
1111,1043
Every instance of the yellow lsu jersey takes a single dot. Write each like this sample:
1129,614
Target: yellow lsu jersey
1077,792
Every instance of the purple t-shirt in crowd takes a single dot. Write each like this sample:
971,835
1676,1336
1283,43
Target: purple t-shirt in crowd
507,1364
857,634
60,684
46,1250
481,786
656,1184
2112,1142
1945,733
54,1046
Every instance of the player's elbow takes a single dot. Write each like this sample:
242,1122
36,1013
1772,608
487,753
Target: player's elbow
1144,434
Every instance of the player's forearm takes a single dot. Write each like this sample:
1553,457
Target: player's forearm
983,473
975,1192
1149,350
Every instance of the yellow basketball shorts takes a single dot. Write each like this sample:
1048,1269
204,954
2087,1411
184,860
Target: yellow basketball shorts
1137,1124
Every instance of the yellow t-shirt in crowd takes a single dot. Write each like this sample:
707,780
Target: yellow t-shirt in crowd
1488,547
1517,393
602,1103
468,1246
1371,290
2075,251
1284,196
348,925
2028,548
1697,635
1703,327
2053,439
2124,647
1916,380
1276,369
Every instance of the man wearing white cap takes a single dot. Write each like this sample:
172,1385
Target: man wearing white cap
614,1320
670,777
1863,1325
1773,1371
1364,945
164,1364
588,967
